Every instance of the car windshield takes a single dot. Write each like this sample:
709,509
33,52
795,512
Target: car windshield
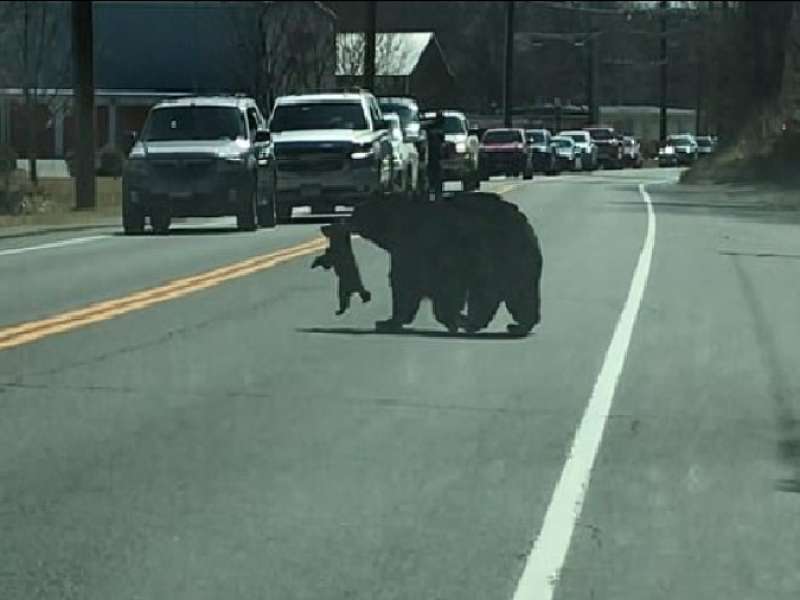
562,143
536,137
182,123
318,115
578,137
601,134
406,113
680,139
704,142
502,136
454,125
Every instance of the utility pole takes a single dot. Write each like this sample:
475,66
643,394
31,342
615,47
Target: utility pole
29,82
508,74
592,95
699,91
369,48
83,97
663,117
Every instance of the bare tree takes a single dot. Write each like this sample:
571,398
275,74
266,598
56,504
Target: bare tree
285,47
391,55
35,61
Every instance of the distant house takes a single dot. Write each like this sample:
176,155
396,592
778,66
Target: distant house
148,51
405,63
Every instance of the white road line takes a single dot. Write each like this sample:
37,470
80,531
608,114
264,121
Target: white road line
61,244
543,566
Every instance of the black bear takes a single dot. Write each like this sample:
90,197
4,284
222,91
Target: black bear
476,250
339,256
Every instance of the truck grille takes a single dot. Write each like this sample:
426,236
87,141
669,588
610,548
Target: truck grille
311,164
180,169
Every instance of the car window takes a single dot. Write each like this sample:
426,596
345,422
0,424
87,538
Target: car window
502,136
329,115
406,113
180,123
601,134
536,137
454,125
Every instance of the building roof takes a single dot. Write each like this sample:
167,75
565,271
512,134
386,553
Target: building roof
396,54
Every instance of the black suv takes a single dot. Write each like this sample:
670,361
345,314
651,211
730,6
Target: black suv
543,153
200,156
408,111
610,149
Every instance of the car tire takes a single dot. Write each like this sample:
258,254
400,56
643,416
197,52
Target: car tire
267,217
246,219
552,168
283,214
528,173
132,219
160,221
471,182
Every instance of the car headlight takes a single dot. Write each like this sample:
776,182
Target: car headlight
461,147
364,151
667,150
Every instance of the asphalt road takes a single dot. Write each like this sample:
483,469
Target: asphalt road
206,431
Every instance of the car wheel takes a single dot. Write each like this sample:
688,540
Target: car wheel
266,213
160,221
132,219
246,219
283,214
552,168
421,193
527,173
471,182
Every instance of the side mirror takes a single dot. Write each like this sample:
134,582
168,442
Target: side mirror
474,131
263,136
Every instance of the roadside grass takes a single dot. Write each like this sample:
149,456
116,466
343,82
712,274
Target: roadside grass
52,201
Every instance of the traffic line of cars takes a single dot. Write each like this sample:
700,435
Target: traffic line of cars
319,155
684,149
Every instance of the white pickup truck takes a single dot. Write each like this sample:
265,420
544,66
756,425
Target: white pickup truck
333,151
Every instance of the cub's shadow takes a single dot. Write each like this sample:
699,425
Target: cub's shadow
414,332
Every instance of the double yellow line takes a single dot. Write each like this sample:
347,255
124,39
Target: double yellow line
31,331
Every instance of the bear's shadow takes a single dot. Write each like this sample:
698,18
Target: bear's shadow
415,332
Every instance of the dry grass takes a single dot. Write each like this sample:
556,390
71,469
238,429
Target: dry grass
52,201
